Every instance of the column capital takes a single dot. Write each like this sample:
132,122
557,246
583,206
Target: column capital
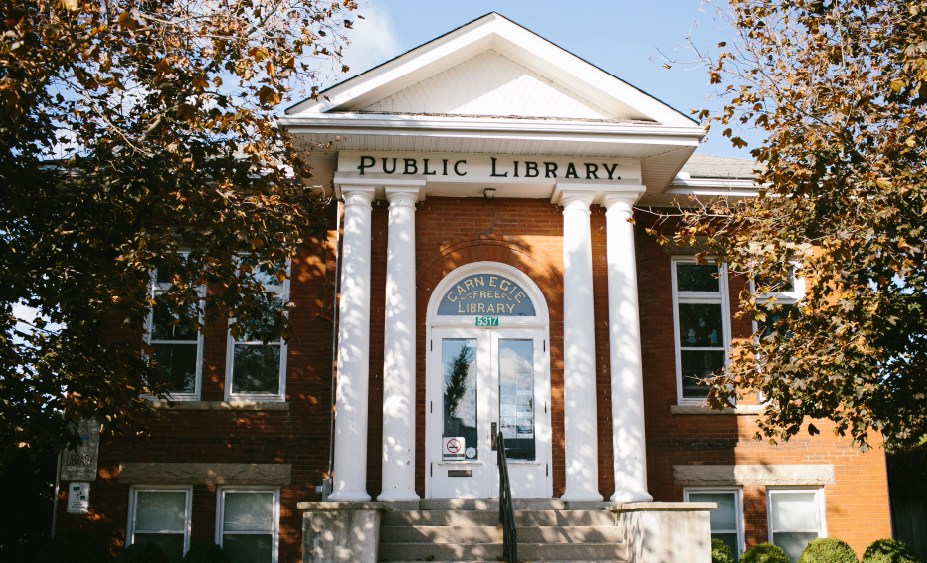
358,195
402,197
577,200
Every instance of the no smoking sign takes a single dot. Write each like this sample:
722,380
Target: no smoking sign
454,448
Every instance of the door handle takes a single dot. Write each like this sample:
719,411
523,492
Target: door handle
492,428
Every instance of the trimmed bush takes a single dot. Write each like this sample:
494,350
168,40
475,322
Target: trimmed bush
78,546
143,552
720,552
828,550
764,553
890,551
206,553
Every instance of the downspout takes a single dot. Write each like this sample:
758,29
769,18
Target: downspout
326,488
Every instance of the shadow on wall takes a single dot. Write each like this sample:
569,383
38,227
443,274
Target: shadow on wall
907,491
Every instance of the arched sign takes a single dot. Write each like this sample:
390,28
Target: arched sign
487,294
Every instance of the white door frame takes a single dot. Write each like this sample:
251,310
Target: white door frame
509,327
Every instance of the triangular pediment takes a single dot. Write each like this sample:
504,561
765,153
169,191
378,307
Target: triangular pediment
490,84
492,67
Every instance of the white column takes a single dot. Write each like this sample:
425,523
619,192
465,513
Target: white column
399,350
579,393
624,335
350,471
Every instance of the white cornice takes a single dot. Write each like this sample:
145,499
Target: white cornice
436,125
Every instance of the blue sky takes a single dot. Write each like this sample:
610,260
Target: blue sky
624,38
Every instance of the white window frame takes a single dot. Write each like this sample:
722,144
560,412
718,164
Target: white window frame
819,505
782,297
699,297
220,512
283,292
738,509
133,503
153,290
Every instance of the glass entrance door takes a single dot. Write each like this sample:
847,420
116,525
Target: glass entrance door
482,381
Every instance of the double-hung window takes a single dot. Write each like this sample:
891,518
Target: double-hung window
257,370
161,515
778,302
702,323
178,350
247,523
796,516
727,520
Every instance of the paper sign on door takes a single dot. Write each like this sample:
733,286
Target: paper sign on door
454,449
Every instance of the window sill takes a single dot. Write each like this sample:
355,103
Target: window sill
222,406
698,409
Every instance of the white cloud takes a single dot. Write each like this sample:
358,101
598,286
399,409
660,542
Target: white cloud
373,41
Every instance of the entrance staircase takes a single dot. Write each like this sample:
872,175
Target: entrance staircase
460,530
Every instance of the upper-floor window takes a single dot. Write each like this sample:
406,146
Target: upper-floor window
257,370
778,301
178,349
702,325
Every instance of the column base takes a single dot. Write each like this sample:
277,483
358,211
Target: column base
349,496
574,496
630,496
397,496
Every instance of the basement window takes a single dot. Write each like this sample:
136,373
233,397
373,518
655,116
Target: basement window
701,318
161,515
796,516
247,526
727,520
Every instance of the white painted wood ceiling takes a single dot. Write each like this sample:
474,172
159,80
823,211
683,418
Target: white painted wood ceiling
490,84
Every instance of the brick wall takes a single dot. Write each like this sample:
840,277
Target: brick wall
299,437
452,232
856,507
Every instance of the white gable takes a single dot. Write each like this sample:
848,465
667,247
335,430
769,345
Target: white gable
490,84
491,67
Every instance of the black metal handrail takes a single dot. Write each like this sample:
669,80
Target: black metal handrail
506,510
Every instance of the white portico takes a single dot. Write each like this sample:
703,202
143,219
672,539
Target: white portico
490,109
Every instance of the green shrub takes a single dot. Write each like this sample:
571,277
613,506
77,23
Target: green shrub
890,551
764,553
828,550
78,546
720,552
143,552
206,553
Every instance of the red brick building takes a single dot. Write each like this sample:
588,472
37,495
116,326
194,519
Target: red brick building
481,275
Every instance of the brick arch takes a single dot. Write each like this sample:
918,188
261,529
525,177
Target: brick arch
519,254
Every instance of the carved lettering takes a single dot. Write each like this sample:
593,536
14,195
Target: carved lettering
611,171
362,166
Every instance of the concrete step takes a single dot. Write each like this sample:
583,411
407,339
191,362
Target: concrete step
493,504
527,518
493,552
492,534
